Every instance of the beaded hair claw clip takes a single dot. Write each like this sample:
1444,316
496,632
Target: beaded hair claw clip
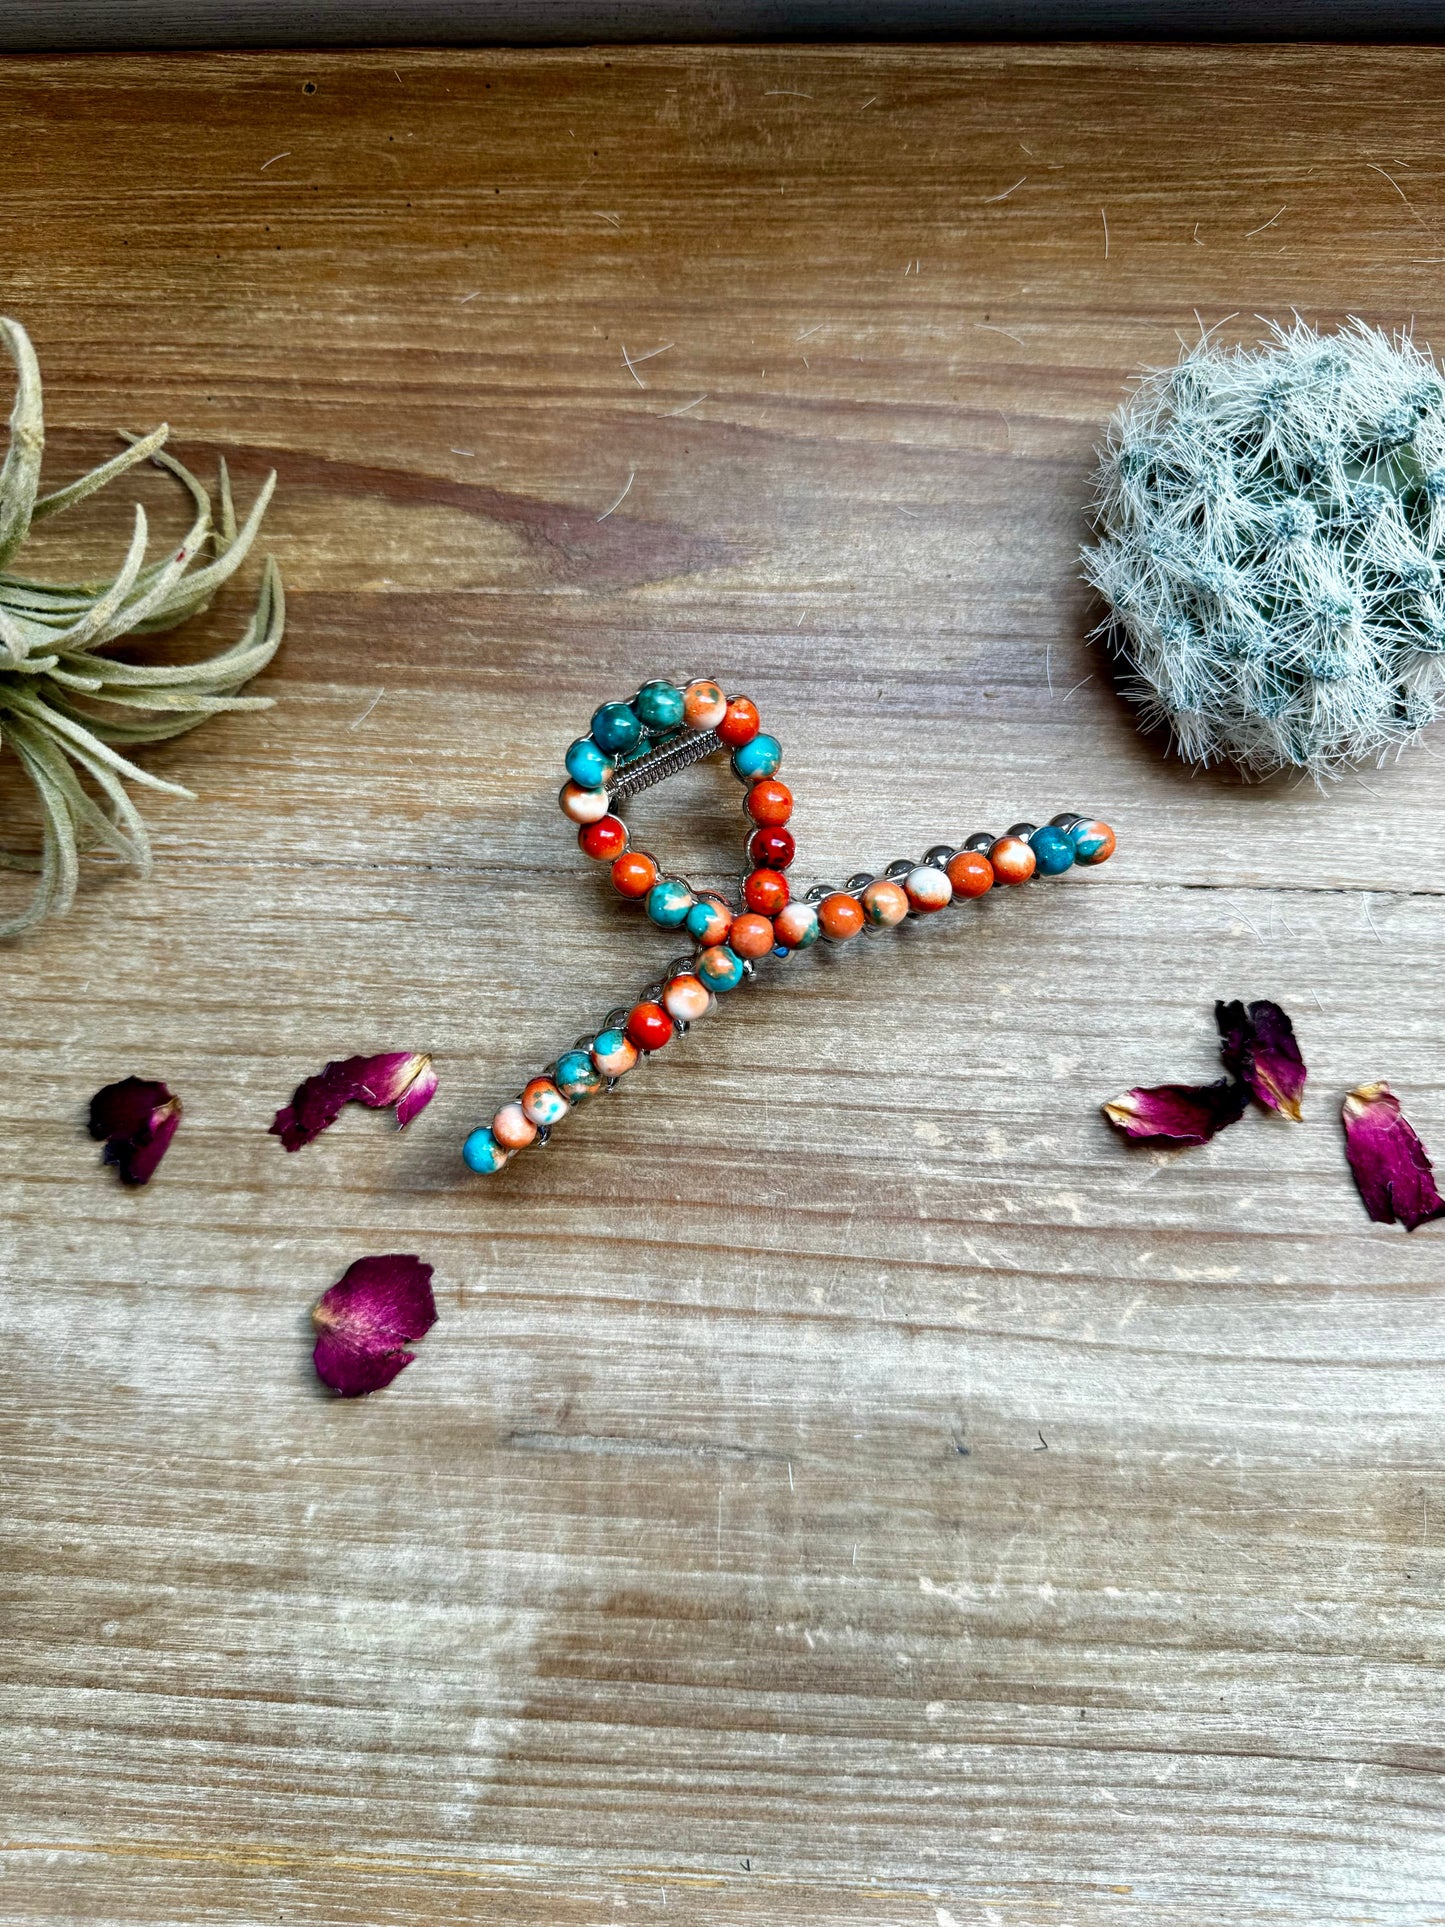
663,730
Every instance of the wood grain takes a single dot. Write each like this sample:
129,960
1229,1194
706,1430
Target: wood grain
41,25
845,1486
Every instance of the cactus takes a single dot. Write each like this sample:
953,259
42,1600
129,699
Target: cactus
1271,529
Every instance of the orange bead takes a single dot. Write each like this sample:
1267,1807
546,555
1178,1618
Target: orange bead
543,1103
703,704
970,873
884,902
770,803
634,873
1093,842
766,891
1012,860
751,935
796,925
840,917
685,998
512,1128
741,723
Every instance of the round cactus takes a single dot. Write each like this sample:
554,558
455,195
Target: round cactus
1271,528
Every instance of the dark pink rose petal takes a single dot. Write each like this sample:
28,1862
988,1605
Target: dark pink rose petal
1177,1113
1391,1165
415,1098
137,1118
1258,1045
403,1078
368,1318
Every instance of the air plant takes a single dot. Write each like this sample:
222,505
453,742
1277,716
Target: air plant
68,710
1271,531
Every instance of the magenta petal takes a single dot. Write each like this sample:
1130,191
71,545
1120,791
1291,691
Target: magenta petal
386,1079
1391,1166
417,1096
138,1157
367,1318
351,1371
1177,1113
121,1109
1258,1046
377,1082
137,1118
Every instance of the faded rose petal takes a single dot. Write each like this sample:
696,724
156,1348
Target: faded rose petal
403,1078
414,1100
137,1118
1177,1113
1258,1045
1391,1166
367,1318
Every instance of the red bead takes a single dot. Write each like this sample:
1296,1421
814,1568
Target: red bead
634,873
772,849
770,802
741,723
648,1026
604,840
766,891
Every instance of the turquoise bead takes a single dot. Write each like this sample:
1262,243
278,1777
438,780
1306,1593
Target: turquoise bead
577,1076
588,767
483,1154
668,903
758,758
1053,851
659,704
709,920
616,728
720,968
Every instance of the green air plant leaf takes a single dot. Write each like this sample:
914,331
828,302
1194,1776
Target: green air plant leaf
67,708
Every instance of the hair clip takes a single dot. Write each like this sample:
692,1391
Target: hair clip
663,730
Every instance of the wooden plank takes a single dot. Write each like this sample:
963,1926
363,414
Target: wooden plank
844,1485
35,26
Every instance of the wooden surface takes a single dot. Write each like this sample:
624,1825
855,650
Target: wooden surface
50,24
845,1485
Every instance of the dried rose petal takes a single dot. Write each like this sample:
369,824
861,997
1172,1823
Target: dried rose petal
366,1319
1258,1045
1391,1165
137,1118
1177,1113
403,1078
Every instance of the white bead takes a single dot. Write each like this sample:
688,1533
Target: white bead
583,806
